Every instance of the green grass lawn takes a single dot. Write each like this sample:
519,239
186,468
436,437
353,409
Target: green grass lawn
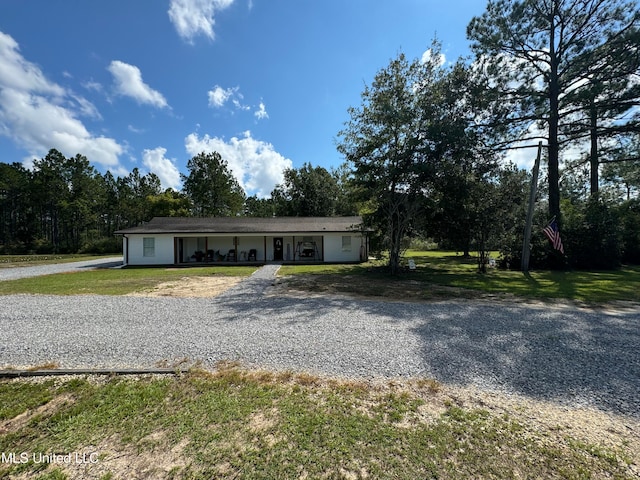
444,268
445,274
111,281
438,275
235,423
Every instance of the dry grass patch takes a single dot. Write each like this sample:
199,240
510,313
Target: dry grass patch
231,422
200,287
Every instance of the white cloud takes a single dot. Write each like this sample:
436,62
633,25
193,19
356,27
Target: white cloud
39,115
19,74
261,113
91,85
218,96
136,130
128,82
163,167
39,125
255,164
239,104
426,57
87,108
195,17
525,151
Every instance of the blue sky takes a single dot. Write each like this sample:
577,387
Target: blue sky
151,83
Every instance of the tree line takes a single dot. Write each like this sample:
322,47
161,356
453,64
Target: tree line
425,152
427,145
64,205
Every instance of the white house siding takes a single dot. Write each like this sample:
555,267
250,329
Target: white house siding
329,247
163,250
334,251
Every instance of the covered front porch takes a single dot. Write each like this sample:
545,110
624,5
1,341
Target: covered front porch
246,249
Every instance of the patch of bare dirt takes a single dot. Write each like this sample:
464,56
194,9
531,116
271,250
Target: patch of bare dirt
201,287
154,458
16,423
555,421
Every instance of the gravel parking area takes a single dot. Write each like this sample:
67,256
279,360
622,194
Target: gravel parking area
575,356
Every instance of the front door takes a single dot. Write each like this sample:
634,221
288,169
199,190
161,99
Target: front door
277,248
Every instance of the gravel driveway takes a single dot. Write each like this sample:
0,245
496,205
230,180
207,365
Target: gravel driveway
15,273
578,357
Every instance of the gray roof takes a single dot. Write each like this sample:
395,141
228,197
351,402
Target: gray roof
235,225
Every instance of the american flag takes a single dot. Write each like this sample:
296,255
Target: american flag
553,234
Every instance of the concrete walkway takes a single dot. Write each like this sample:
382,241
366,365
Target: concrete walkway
255,285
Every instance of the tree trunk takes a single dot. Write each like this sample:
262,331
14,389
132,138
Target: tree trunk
554,117
593,157
395,236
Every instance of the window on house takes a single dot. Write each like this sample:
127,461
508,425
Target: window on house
149,247
346,244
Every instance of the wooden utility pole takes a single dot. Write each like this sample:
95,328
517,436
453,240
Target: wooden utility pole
526,244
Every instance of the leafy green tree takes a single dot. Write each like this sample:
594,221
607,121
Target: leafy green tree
211,186
462,171
628,214
622,171
134,190
169,203
593,234
381,143
80,210
600,106
259,207
306,192
50,192
110,215
346,203
17,229
623,176
535,53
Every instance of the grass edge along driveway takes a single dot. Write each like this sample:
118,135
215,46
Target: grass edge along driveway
445,275
112,281
439,275
238,423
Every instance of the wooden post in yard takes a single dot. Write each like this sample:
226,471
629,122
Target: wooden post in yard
526,244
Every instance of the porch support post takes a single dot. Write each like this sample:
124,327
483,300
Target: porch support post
125,244
175,250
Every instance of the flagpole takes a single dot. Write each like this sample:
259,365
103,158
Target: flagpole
526,244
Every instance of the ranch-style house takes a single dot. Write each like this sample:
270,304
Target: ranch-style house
246,240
